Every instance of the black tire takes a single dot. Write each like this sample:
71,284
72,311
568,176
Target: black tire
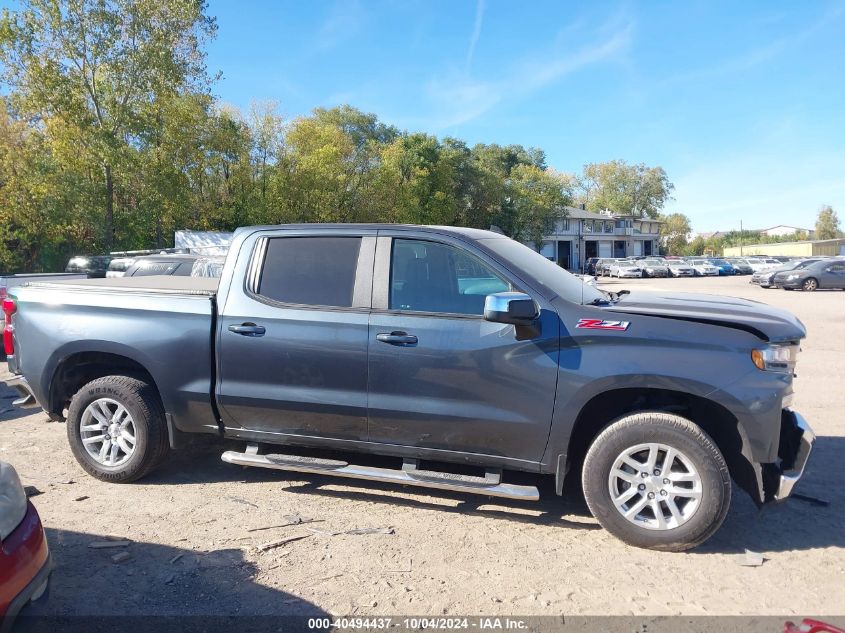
142,402
810,284
680,434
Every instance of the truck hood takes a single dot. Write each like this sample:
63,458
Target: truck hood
764,321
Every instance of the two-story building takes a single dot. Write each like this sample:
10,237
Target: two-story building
584,234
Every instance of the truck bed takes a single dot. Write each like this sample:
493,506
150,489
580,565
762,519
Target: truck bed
205,286
161,325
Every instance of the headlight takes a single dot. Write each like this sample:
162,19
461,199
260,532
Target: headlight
12,500
777,357
792,276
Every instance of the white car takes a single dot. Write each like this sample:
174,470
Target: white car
703,269
763,263
680,269
625,268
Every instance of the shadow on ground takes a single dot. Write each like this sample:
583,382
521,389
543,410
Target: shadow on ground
160,588
793,525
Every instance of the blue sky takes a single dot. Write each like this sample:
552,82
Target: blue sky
742,103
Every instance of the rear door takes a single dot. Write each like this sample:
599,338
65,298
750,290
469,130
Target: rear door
441,377
834,276
293,340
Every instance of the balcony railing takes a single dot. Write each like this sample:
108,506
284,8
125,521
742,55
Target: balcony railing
574,231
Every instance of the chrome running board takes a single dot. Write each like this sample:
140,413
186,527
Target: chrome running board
489,485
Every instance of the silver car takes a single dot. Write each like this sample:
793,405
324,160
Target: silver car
679,268
654,268
625,268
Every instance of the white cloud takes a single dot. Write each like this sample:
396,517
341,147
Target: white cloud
344,21
455,97
763,187
476,32
762,54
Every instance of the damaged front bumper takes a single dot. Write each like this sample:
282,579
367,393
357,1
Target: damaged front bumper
796,443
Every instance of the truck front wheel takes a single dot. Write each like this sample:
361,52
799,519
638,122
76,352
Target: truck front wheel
116,428
658,481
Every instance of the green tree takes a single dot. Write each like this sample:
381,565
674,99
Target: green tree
96,65
674,231
827,224
538,199
629,189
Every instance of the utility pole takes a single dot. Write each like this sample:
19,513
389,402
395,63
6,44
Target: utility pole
740,238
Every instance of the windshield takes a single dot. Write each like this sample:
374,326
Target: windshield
719,262
544,272
654,262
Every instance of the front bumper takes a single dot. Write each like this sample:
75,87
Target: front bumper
792,283
796,444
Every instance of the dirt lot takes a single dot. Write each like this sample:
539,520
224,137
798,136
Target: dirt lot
192,549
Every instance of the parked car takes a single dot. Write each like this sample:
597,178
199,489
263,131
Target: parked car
24,556
759,264
654,268
741,265
603,266
441,344
679,268
822,274
590,266
724,267
765,277
208,266
118,266
703,268
94,266
179,265
625,268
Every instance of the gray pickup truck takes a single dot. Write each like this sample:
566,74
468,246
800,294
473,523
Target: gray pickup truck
458,353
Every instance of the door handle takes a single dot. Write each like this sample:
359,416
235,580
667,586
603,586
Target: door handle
248,329
401,339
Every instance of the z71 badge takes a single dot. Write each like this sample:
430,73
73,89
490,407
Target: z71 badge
598,324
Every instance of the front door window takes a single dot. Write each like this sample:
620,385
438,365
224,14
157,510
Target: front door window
433,277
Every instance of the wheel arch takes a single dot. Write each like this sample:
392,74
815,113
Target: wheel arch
81,367
716,420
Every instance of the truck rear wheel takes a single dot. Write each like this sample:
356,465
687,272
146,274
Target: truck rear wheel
657,480
116,428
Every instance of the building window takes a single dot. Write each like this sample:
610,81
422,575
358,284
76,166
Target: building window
564,224
588,226
608,227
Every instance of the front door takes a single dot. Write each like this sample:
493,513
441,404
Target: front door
564,254
293,341
441,377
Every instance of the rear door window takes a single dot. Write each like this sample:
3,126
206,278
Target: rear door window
314,271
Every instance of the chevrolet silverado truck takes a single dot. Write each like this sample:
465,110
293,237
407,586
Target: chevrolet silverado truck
458,355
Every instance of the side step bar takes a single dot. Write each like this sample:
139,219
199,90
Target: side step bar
410,475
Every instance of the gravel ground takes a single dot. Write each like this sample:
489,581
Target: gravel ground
192,550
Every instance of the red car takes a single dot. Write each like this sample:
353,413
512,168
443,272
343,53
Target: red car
24,556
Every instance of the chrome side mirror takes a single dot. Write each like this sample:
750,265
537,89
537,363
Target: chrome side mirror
514,308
